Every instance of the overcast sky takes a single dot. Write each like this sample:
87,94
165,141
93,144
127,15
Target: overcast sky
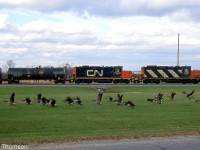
131,33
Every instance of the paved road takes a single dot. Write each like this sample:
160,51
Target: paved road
178,143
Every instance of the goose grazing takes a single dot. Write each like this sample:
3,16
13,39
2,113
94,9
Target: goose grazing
12,99
27,100
130,104
99,98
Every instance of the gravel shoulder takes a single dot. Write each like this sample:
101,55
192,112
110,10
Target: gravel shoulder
176,142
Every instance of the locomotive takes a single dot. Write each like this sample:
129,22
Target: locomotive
168,74
105,74
38,73
148,74
101,74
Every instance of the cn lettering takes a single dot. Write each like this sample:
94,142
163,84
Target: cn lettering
93,73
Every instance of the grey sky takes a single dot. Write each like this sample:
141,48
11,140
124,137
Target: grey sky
132,33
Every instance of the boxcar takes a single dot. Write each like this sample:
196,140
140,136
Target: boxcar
100,74
157,74
17,74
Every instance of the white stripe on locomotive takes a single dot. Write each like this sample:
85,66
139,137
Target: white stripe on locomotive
163,74
152,73
173,73
180,71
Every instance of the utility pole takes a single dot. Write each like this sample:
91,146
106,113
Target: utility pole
178,51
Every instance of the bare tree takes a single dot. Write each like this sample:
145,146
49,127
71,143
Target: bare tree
9,64
68,70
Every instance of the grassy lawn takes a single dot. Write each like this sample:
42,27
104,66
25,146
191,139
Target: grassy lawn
36,123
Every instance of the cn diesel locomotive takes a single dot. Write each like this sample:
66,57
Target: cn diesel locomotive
101,74
157,74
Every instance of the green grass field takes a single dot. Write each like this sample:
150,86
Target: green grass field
22,124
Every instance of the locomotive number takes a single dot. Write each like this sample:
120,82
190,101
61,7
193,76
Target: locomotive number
93,73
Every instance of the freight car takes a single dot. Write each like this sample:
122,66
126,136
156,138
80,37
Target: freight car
168,74
17,74
101,74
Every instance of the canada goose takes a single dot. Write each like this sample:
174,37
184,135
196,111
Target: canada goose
39,98
69,100
119,99
109,98
172,96
159,98
77,100
52,102
27,100
12,99
129,104
151,99
189,95
99,98
43,101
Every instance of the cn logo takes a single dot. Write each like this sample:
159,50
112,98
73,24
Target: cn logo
93,73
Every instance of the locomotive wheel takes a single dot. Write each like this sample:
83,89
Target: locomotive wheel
9,81
145,81
126,81
77,81
195,81
183,82
17,82
157,81
115,81
89,81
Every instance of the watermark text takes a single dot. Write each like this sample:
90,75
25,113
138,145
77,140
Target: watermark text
12,147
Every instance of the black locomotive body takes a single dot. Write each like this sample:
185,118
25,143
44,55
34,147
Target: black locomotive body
17,74
157,74
100,74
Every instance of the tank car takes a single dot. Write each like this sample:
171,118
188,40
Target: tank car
17,74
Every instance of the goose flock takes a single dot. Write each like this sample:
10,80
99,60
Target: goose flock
118,99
